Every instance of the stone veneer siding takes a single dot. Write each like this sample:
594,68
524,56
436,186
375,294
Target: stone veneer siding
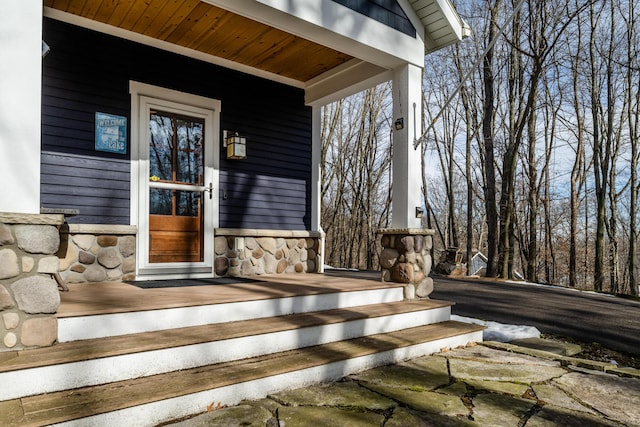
244,252
406,258
29,296
97,253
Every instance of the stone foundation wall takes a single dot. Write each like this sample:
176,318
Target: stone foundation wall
406,258
255,252
97,253
29,296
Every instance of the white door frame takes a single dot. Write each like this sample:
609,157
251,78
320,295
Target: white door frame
145,97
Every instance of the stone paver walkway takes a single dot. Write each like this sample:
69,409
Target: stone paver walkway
492,384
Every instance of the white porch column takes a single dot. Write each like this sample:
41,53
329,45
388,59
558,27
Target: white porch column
20,100
316,179
407,105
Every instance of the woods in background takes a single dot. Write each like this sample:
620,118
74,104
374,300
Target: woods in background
533,158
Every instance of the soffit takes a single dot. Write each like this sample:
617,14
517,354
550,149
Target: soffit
211,30
442,24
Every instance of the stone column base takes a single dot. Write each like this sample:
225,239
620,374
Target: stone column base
29,296
406,258
250,252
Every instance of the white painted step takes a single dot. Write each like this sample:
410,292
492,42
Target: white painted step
154,353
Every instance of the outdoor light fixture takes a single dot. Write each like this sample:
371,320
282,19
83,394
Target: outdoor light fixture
236,145
419,212
399,123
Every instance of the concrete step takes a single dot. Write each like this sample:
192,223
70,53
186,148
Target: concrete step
84,363
154,399
73,328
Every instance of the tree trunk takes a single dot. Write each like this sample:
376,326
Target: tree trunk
490,188
633,118
577,175
599,166
532,259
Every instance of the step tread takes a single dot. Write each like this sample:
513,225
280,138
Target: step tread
116,297
79,403
75,351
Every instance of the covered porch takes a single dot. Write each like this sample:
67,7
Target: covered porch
142,357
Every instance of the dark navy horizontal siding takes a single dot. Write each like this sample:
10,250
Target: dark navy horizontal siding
252,193
387,12
88,72
98,188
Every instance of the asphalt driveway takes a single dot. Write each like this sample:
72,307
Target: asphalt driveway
613,322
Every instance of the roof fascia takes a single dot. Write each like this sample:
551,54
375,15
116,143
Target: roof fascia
333,25
456,23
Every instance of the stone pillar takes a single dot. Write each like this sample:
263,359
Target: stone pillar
29,296
406,258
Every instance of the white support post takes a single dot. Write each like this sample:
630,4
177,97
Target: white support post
316,179
407,107
20,105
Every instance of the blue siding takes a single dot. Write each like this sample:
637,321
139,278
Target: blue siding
88,72
387,12
96,187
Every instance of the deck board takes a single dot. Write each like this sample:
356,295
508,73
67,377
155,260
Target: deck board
118,297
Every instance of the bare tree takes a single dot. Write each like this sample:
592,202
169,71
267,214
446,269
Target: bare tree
633,117
575,125
561,81
600,155
471,119
490,187
356,161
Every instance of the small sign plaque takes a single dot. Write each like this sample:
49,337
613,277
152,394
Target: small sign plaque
111,133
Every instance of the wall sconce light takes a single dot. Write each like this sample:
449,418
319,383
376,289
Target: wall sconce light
419,212
236,145
399,123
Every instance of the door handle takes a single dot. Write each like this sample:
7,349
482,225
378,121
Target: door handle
210,190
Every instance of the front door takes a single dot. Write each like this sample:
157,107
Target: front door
176,187
177,146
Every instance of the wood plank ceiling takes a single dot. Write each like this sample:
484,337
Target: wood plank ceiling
200,26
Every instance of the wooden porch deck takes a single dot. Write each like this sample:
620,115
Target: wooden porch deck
118,297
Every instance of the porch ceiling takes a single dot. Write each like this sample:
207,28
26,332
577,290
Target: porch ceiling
200,26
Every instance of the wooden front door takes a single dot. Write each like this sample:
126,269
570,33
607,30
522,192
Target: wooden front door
176,187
